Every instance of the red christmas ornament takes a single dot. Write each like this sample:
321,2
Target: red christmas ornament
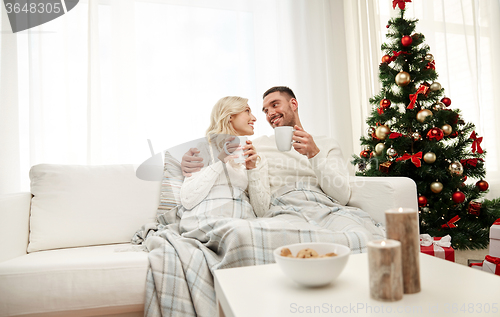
385,167
386,59
435,134
431,65
474,208
454,134
422,201
385,103
446,101
406,40
482,185
365,154
458,197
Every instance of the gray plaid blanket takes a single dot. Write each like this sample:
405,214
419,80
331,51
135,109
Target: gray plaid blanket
183,258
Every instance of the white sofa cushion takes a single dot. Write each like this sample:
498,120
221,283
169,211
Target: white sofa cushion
76,205
68,281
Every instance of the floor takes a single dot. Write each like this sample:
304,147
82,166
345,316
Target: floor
462,256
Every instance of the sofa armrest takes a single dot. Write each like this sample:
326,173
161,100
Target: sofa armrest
14,226
377,194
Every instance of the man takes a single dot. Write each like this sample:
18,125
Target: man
315,162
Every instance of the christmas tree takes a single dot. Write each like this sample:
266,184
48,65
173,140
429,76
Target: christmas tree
413,132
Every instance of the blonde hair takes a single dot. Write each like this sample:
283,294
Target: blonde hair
220,125
221,113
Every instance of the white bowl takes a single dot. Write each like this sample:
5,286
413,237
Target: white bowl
313,271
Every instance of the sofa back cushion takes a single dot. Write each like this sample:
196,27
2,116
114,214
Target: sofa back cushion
74,206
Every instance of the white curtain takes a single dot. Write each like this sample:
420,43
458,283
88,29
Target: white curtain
92,86
464,37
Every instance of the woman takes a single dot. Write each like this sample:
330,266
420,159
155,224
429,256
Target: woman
221,189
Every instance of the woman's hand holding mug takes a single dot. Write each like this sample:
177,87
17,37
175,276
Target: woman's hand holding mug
251,153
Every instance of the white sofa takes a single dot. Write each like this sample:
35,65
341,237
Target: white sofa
64,247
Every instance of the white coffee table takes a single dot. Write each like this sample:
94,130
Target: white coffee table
448,289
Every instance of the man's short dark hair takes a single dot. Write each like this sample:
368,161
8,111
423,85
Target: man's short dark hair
282,89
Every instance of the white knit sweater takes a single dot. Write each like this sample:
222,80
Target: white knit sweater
327,169
196,187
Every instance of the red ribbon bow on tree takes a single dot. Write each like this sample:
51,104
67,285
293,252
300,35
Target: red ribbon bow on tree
396,54
451,223
400,3
492,259
476,144
415,158
423,89
395,135
472,162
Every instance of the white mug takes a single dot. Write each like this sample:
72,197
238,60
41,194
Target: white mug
283,137
242,140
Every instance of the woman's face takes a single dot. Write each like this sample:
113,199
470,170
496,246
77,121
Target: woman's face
242,122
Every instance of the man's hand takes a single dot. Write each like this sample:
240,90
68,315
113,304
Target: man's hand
304,143
191,163
230,147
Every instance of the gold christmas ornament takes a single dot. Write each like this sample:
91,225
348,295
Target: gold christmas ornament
423,114
381,132
439,106
447,129
391,152
429,57
379,148
436,187
456,168
402,78
435,86
429,157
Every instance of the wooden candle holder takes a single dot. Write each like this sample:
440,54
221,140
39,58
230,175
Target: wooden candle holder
402,225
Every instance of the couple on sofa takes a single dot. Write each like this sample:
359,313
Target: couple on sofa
235,212
311,180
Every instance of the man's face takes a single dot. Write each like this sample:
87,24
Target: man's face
278,110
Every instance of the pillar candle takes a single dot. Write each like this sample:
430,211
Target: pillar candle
402,225
386,272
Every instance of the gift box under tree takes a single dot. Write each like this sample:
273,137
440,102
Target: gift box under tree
478,266
438,247
495,239
491,264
